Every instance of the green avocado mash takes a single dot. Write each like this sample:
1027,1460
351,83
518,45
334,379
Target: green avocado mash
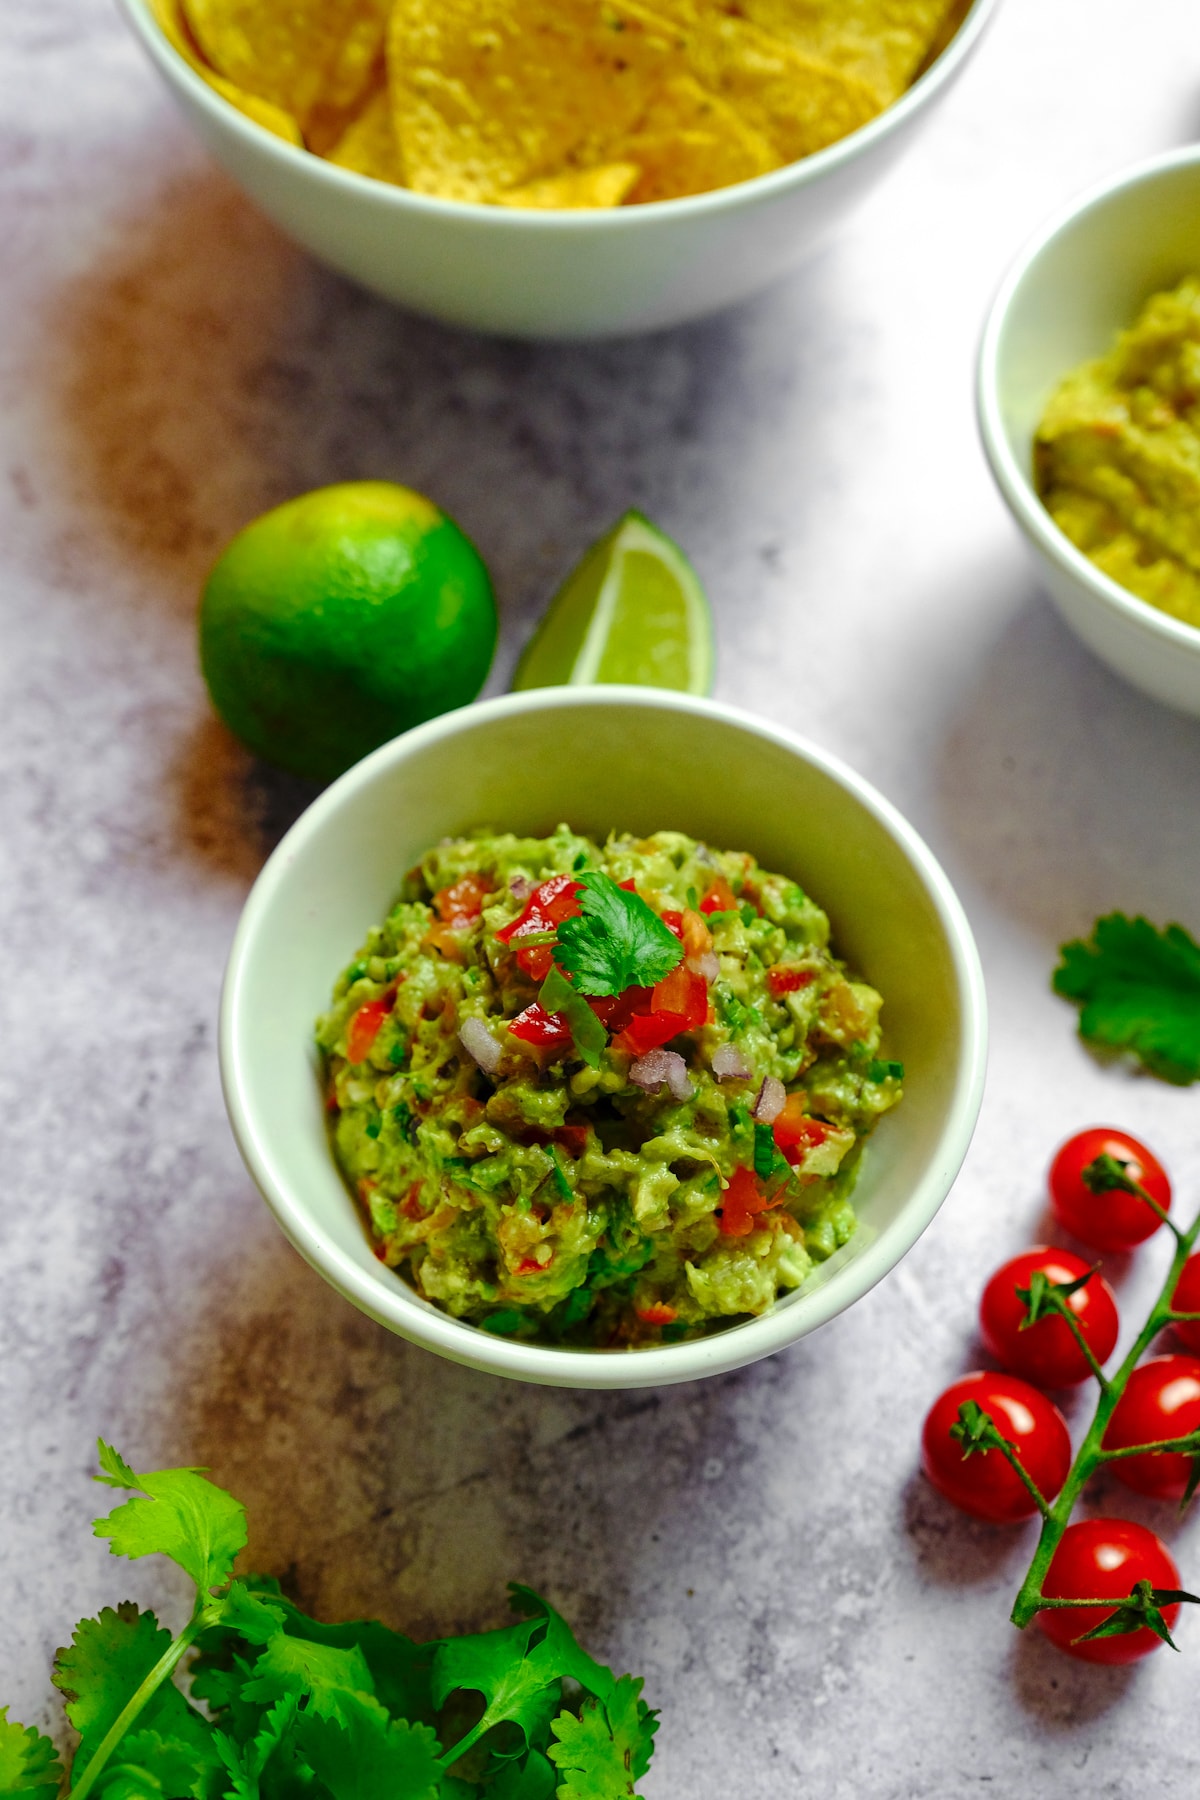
1116,458
602,1096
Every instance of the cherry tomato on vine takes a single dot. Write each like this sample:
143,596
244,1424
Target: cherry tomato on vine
1187,1299
1105,1558
985,1484
1161,1400
1112,1219
1045,1352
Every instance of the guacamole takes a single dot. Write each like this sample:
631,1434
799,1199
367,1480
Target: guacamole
602,1096
1116,458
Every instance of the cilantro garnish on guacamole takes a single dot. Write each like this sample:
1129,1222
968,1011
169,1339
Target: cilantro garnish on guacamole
605,1096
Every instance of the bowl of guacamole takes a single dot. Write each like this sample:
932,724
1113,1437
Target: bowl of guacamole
1087,410
648,1036
603,1095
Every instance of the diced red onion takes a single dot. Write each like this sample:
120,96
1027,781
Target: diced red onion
480,1045
707,965
728,1064
657,1066
769,1101
520,887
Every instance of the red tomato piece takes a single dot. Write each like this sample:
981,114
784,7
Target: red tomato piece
364,1028
795,1133
684,993
1114,1219
719,898
1161,1400
786,978
985,1484
1105,1558
1046,1353
658,1313
1187,1299
673,922
546,1031
463,902
552,901
742,1202
648,1031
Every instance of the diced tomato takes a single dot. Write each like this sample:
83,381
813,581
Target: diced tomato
719,898
682,992
795,1133
364,1028
648,1031
614,1011
529,1265
460,904
536,961
411,1206
552,901
571,1138
742,1202
673,922
546,1031
785,978
658,1313
697,938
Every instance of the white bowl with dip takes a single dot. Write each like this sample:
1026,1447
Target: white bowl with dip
602,758
539,274
1081,280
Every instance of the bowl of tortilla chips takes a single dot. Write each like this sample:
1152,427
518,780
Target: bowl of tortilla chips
558,168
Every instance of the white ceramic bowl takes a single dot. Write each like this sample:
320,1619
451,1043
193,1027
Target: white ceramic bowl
1081,280
602,758
564,274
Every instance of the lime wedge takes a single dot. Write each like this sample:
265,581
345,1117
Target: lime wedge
632,610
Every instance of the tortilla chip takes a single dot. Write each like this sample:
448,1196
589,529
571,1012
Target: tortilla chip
882,43
368,145
691,142
797,103
489,97
578,189
272,118
306,56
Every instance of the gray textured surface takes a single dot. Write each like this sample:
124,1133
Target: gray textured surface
810,1617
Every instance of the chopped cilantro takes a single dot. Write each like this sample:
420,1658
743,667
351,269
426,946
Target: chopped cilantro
749,915
406,1120
504,1323
397,1054
616,941
556,995
1138,989
373,1126
559,1175
693,900
884,1071
352,1711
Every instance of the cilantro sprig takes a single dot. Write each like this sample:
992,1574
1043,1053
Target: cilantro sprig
1138,989
352,1711
616,941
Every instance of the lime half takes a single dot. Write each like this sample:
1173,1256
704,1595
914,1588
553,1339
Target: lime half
632,610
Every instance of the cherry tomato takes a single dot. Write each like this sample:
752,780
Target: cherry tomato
985,1484
1105,1558
1187,1299
1114,1219
1161,1400
1046,1352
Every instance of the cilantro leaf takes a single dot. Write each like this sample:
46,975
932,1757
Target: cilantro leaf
106,1662
603,1751
557,995
329,1678
196,1524
530,1778
1139,991
368,1756
616,941
29,1765
149,1766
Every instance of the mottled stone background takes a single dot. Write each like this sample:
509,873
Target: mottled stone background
811,1618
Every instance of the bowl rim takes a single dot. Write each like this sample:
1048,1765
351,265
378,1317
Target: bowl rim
403,1311
1014,481
566,221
